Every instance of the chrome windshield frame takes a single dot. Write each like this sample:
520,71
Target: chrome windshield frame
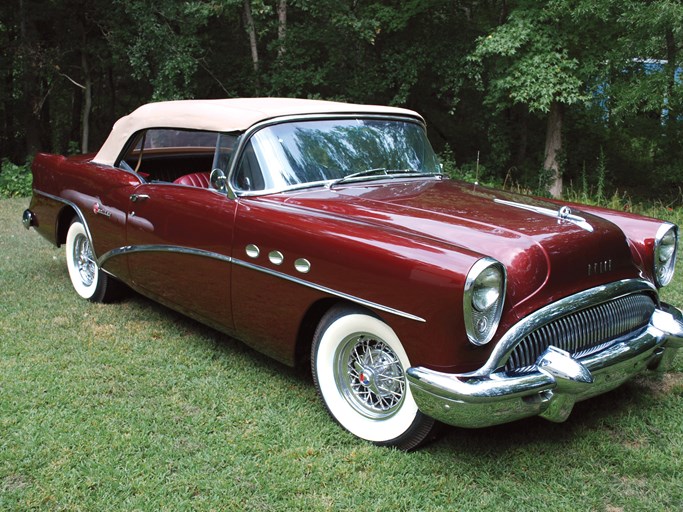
245,137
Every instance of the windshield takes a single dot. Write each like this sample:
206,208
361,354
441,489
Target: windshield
309,152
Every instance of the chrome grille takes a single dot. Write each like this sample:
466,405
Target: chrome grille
583,332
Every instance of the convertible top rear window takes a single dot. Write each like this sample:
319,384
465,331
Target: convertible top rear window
172,138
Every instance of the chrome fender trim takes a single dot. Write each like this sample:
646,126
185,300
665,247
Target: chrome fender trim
132,249
78,211
329,291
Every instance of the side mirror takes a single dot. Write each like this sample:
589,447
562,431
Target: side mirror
219,180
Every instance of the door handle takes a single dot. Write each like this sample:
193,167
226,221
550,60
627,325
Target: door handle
138,197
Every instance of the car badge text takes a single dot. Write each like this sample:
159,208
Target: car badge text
98,210
599,267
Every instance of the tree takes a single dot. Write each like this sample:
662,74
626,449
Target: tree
526,84
251,30
281,27
533,59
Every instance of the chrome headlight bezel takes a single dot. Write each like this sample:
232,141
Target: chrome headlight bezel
664,254
483,299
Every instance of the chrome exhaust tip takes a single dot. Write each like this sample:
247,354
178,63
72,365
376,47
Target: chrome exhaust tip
28,219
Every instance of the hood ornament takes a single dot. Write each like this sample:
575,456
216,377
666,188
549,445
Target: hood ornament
563,214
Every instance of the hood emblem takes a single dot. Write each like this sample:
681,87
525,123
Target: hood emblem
563,214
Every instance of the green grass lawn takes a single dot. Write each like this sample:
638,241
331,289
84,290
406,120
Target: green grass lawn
130,406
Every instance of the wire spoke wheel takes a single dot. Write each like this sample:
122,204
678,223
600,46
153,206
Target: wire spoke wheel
370,376
83,259
359,369
89,281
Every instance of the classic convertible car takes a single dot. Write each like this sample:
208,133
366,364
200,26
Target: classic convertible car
326,233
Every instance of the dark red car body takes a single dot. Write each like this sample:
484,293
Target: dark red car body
400,248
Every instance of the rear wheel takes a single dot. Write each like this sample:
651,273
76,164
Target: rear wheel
89,281
359,369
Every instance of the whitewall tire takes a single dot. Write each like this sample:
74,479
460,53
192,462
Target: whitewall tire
359,369
89,281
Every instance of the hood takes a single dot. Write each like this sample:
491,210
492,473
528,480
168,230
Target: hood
542,252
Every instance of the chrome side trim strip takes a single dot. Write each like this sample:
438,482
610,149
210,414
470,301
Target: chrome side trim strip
329,291
581,300
78,211
132,249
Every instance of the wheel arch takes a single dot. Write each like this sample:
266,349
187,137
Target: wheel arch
64,219
310,322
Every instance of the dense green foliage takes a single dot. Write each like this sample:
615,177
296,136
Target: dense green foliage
15,180
511,86
130,406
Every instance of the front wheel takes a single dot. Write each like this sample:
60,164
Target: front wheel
359,369
89,281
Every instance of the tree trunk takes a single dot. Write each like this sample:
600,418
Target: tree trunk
553,148
672,126
7,143
31,98
251,30
522,129
112,88
87,104
281,26
671,68
503,16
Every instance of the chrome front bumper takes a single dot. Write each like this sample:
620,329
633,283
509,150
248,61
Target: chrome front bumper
558,382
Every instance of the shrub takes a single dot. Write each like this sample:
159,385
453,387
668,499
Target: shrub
15,180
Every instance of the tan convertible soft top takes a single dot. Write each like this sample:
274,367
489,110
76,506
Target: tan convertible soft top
227,115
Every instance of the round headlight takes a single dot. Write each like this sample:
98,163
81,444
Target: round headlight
666,242
483,299
486,289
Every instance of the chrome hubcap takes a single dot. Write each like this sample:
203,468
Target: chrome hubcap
83,260
370,376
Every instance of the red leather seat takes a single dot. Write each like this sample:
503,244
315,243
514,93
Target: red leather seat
197,179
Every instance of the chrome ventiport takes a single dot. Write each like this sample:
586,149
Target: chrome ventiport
252,251
276,257
302,265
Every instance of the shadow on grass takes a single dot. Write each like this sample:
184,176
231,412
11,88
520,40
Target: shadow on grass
590,416
208,337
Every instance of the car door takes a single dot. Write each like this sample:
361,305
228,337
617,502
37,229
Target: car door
179,249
